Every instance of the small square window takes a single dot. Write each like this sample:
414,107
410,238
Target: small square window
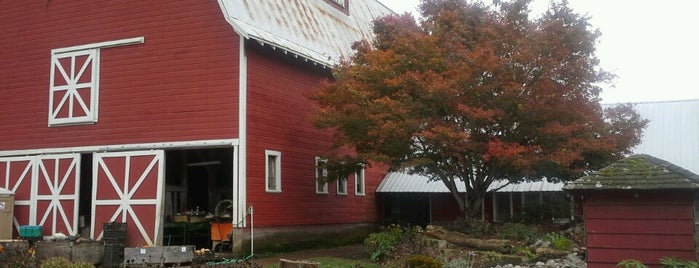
321,175
359,182
273,171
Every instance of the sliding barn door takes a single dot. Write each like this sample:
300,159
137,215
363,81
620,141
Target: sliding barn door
128,187
57,192
16,174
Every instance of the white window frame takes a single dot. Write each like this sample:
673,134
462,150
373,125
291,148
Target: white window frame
71,75
360,188
277,168
71,98
343,183
321,189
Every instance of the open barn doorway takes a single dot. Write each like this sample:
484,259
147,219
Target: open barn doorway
197,180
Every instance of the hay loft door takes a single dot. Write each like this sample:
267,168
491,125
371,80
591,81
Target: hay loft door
128,187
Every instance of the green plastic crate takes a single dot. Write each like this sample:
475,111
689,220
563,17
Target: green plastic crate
30,231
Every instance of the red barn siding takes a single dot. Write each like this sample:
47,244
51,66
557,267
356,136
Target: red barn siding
279,119
181,84
644,226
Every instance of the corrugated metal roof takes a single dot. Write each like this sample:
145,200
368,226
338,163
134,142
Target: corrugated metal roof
313,29
398,182
672,133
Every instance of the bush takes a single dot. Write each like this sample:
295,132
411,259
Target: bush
631,264
60,262
420,261
675,262
56,262
559,241
382,243
516,231
82,265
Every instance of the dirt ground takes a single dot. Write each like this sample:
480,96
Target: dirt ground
352,252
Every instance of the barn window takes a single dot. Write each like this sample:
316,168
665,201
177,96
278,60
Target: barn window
74,82
273,167
321,176
342,186
359,182
342,5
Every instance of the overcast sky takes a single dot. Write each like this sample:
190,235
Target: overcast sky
650,45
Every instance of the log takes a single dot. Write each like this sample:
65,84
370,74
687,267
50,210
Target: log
551,253
456,238
283,263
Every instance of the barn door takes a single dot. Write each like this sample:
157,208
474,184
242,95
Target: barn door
128,187
57,192
16,175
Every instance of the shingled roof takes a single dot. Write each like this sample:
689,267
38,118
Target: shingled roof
637,172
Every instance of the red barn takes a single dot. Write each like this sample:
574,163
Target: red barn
143,112
640,208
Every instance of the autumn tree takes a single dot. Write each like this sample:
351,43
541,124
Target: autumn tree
476,93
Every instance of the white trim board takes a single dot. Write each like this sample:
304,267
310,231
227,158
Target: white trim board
123,147
106,44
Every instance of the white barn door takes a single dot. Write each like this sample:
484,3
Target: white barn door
128,187
57,191
16,174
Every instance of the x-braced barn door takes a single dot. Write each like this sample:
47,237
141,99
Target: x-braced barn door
16,175
46,191
57,192
128,187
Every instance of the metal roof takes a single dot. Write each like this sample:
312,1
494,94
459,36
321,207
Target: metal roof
638,172
672,133
399,182
317,30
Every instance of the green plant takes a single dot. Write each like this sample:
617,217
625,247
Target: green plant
467,261
631,264
56,262
526,252
420,261
82,265
382,243
676,262
516,231
559,241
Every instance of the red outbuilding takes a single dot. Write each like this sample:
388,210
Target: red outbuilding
152,113
639,208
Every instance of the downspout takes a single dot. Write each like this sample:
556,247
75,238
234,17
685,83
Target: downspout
242,135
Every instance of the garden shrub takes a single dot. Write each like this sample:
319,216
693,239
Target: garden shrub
516,231
420,261
675,262
382,243
559,241
631,264
468,260
56,262
61,262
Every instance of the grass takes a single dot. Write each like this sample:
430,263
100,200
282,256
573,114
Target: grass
338,262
